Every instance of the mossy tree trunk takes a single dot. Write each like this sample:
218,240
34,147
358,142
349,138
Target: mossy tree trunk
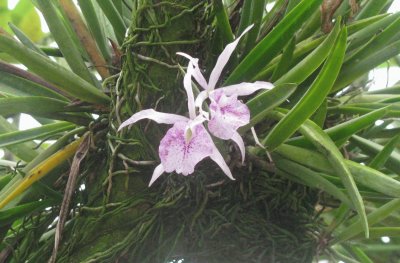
260,217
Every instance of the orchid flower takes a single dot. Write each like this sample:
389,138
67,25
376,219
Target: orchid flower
186,143
227,112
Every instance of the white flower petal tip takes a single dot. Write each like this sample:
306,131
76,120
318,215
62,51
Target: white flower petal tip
240,143
198,76
218,159
158,171
223,60
253,132
156,116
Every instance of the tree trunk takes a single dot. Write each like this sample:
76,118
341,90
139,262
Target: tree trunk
260,217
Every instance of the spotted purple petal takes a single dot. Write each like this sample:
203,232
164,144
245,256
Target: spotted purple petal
227,115
180,151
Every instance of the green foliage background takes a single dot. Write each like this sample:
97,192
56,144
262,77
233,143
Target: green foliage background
325,187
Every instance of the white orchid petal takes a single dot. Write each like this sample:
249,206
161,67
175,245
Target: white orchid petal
223,59
218,159
158,171
187,83
246,88
159,117
253,132
201,98
198,76
239,141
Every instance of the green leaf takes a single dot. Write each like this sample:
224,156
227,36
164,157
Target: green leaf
23,151
372,8
325,145
10,215
375,217
363,175
308,65
264,102
273,43
284,64
31,105
64,40
53,72
93,23
361,255
381,158
311,178
223,21
351,72
115,19
357,25
16,86
24,39
346,129
16,137
313,98
245,16
372,148
380,41
365,34
257,11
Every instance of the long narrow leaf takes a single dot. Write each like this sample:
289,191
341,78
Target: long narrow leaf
261,104
370,147
273,43
115,19
346,129
308,65
64,41
363,175
314,97
53,72
16,137
375,217
381,158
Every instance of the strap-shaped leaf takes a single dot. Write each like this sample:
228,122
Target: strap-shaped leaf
311,178
92,20
115,19
16,137
345,129
53,72
309,64
23,151
363,175
39,171
375,217
372,148
264,102
381,158
313,98
325,146
64,40
273,43
223,21
16,86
